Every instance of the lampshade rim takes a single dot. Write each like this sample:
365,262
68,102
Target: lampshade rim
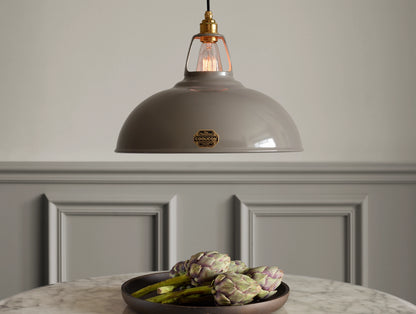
207,151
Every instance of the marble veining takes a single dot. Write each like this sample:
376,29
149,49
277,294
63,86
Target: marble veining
102,295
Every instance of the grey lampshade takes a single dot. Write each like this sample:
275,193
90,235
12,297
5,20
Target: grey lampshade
209,112
244,120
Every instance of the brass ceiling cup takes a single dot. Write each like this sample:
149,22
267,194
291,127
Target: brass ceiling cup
208,111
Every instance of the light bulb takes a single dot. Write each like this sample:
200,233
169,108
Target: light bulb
209,58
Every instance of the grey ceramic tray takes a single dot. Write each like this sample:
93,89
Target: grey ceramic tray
145,307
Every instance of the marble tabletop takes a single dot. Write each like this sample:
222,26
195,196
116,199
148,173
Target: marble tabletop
102,295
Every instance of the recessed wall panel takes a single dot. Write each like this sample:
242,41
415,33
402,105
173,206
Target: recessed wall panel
105,244
103,234
303,245
314,235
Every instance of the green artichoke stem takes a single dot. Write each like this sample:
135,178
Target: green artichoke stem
173,296
176,281
165,289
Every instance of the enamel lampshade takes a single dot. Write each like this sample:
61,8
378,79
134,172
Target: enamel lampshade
208,111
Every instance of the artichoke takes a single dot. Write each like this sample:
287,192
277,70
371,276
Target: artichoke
268,277
235,289
205,266
227,289
238,267
178,269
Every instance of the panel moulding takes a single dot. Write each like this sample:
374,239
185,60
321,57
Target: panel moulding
59,207
353,208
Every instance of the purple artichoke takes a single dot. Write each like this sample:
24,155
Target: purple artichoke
201,267
268,277
235,289
204,266
238,267
178,269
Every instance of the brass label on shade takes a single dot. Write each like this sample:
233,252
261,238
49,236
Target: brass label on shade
206,138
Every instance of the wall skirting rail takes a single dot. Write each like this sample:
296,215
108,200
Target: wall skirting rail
205,172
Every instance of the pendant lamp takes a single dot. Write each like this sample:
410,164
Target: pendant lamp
208,111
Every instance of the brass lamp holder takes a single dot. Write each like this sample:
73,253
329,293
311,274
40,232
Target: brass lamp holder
208,26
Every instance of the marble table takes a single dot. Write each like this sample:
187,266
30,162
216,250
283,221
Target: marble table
102,295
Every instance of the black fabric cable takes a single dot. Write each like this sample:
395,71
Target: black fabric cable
208,6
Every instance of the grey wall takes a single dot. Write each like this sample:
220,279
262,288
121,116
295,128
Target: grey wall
72,70
348,222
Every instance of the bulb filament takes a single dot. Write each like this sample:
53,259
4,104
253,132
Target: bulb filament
209,58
